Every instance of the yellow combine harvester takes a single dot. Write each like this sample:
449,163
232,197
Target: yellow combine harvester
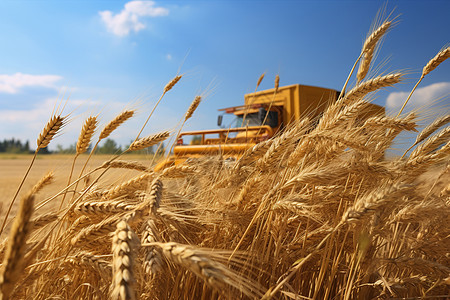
263,115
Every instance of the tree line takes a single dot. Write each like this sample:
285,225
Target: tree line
109,146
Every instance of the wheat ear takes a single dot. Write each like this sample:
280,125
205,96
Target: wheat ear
192,107
277,82
86,134
364,65
260,79
436,61
369,43
116,122
13,263
50,130
430,66
123,164
149,141
199,262
123,249
194,104
427,131
46,180
106,131
153,262
368,86
167,88
154,197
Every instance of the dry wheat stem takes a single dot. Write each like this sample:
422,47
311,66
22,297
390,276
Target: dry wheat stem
427,131
13,263
167,88
107,130
260,79
430,66
17,192
277,85
195,103
368,44
50,130
432,143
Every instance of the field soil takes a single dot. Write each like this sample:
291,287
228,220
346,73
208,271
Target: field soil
14,167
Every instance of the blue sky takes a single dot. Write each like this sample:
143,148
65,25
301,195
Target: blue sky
111,55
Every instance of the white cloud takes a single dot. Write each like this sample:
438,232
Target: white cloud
422,96
11,84
129,19
169,56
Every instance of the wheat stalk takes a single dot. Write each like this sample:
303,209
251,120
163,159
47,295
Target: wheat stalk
430,66
13,263
432,143
178,171
369,44
427,131
406,123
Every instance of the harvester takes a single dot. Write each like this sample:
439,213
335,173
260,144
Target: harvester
263,115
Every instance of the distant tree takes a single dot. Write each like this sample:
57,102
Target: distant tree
71,149
109,147
14,146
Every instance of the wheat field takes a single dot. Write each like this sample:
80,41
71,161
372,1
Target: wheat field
316,212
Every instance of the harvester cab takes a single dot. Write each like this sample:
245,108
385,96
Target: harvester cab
264,114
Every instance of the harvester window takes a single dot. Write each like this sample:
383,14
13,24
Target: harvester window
250,120
269,118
